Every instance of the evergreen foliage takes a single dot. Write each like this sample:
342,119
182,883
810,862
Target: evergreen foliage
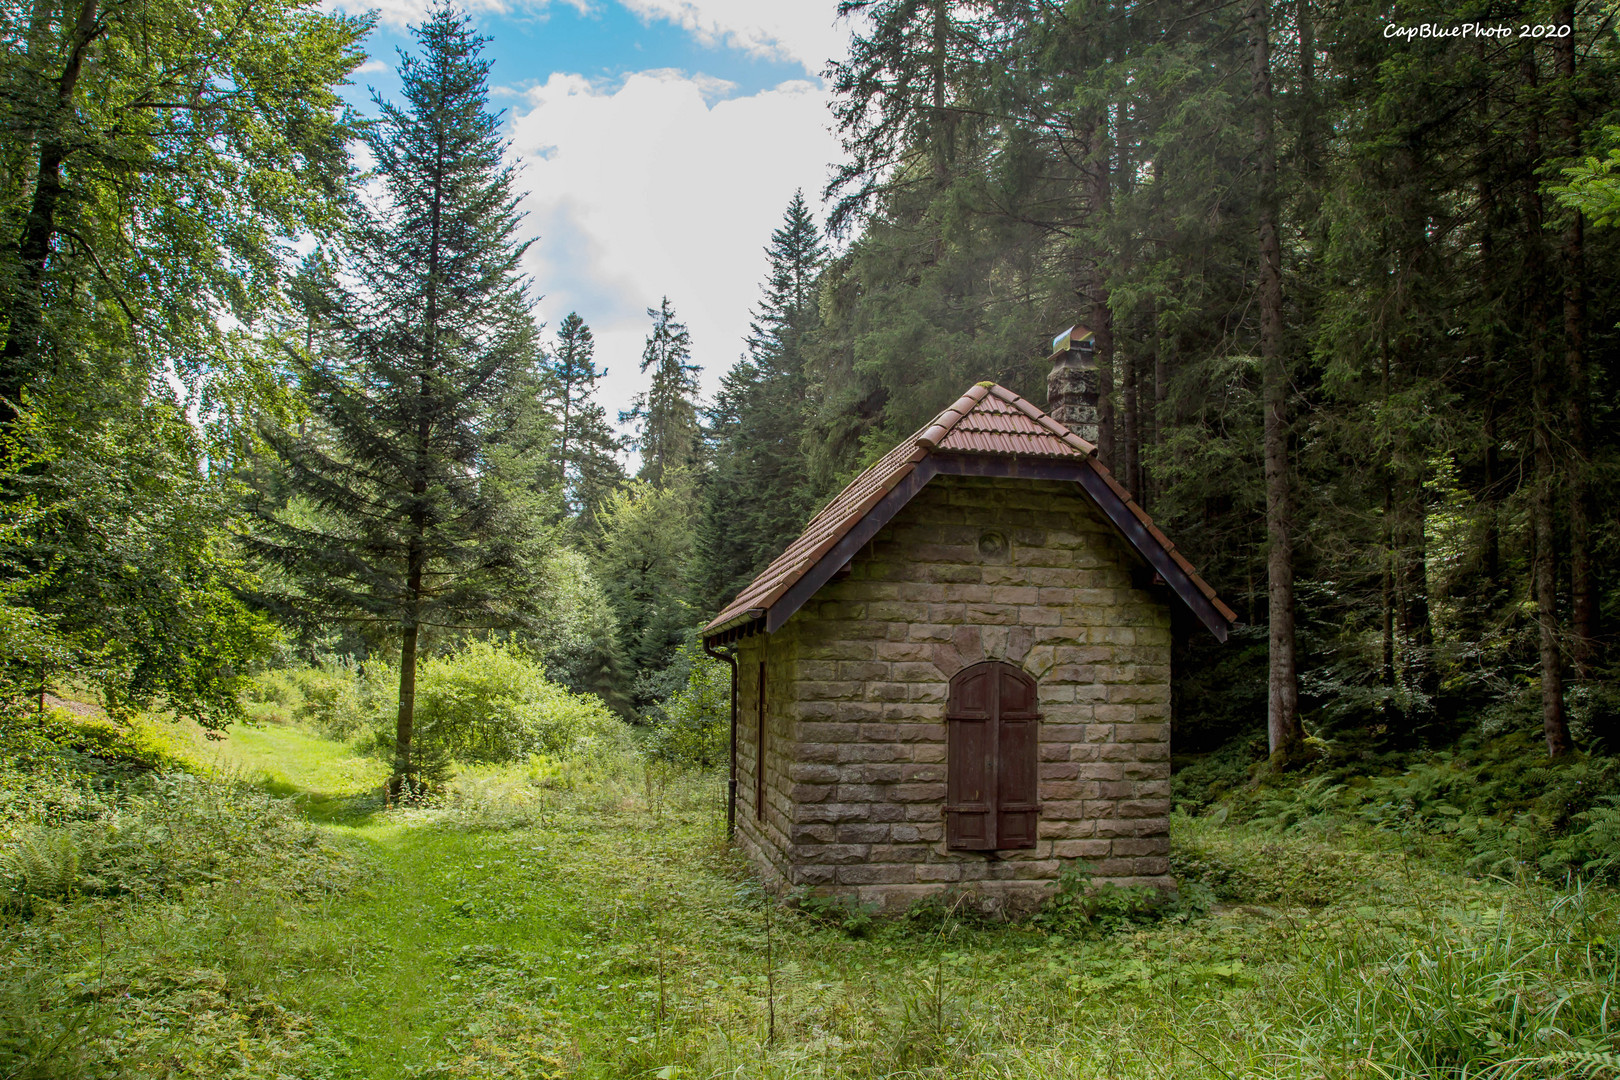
585,457
666,414
757,495
427,346
644,564
1427,374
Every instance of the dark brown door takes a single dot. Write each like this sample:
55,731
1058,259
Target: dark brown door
992,798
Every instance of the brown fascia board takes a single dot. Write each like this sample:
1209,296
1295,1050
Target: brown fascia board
1102,488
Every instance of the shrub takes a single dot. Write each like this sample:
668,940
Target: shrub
490,703
339,699
694,726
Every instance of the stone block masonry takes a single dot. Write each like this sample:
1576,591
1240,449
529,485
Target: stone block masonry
1023,571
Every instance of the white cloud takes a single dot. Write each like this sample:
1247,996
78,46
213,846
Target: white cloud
807,31
646,189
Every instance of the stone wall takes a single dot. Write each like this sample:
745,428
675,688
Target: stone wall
1025,571
766,836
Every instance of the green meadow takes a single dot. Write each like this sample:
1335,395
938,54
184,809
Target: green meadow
266,915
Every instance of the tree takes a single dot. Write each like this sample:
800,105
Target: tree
415,527
666,415
898,101
157,156
586,450
121,559
643,563
757,495
1284,732
1375,373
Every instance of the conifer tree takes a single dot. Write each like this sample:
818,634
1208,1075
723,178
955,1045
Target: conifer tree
423,352
666,415
599,472
585,457
758,493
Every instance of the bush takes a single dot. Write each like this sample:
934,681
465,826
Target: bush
694,726
339,699
159,836
490,703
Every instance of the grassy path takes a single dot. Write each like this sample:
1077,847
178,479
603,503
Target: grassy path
409,958
482,942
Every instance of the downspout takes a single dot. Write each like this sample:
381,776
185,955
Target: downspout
730,657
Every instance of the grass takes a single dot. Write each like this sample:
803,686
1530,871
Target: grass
570,919
329,783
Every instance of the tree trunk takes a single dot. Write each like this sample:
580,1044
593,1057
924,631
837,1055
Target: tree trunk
405,722
25,305
1285,733
1417,631
1582,575
406,761
941,135
1386,667
1544,565
1489,497
1152,378
1131,433
1491,557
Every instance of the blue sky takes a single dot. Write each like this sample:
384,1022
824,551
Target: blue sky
660,141
607,41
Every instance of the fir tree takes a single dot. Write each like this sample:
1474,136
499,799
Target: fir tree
758,493
572,368
598,471
585,458
424,354
666,416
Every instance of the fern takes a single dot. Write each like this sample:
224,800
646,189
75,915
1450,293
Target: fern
44,864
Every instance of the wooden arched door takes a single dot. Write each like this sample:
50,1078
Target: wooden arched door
992,732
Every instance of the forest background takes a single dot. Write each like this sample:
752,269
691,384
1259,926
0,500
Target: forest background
1353,298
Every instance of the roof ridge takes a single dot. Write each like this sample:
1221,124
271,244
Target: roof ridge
930,436
1041,417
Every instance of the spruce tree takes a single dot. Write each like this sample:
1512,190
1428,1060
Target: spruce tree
598,471
666,416
758,494
585,458
429,337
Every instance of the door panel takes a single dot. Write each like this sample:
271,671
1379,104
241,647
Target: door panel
992,798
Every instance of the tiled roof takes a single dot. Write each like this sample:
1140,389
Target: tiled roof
988,421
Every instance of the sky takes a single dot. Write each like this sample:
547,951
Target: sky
658,141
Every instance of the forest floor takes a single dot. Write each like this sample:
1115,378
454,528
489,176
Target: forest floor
592,922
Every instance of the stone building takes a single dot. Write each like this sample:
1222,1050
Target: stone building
959,675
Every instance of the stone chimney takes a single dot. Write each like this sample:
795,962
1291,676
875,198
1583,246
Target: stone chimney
1071,388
